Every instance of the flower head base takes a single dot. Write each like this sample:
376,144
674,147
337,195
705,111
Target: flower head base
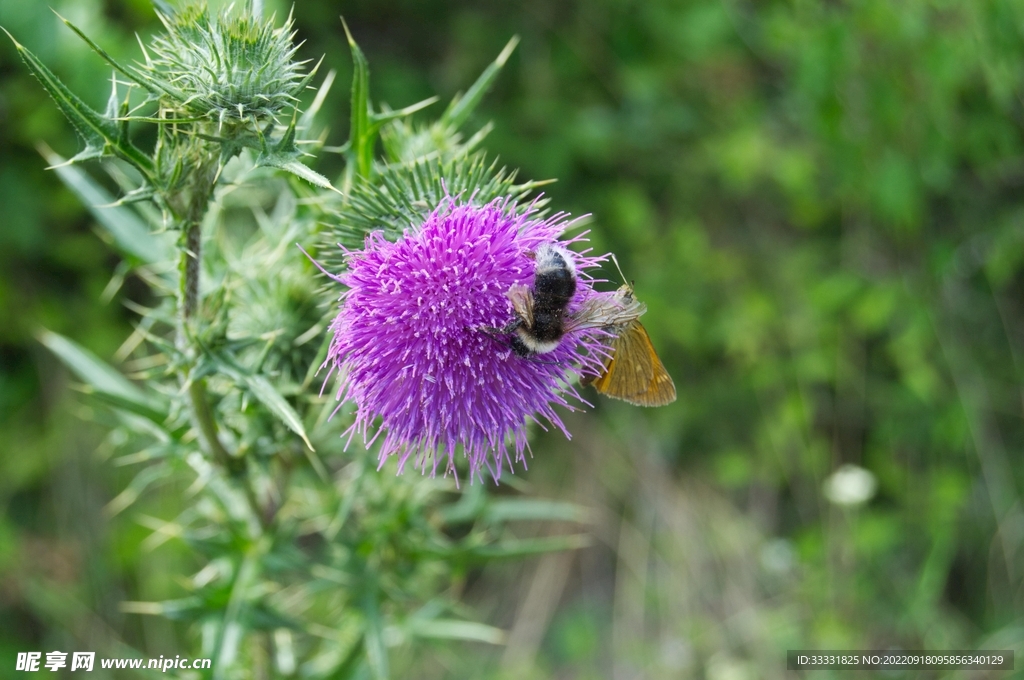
226,66
412,344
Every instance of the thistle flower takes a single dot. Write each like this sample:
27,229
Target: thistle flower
412,347
223,66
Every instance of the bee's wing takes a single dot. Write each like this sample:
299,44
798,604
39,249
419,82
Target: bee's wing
603,312
521,298
634,373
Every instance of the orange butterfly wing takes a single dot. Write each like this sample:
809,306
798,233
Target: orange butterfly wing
634,373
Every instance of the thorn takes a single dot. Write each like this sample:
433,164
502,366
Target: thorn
17,44
507,52
348,34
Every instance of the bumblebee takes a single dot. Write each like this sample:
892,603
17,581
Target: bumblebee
542,319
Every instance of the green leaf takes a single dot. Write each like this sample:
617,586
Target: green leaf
360,154
295,167
461,107
524,509
285,156
267,395
469,507
308,116
352,660
100,134
142,481
379,119
405,142
129,233
376,652
454,629
231,626
104,381
272,399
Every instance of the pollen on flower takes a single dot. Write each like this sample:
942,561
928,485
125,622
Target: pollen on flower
438,380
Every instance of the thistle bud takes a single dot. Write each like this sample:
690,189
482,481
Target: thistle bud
227,67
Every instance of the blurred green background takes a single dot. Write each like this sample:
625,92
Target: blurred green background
820,202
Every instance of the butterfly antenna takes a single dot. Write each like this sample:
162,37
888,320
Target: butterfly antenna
616,261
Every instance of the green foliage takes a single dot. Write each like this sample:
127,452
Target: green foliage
812,197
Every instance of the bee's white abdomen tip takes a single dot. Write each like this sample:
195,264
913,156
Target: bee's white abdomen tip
533,344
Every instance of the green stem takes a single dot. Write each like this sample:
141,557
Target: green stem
206,427
190,254
189,247
200,192
189,259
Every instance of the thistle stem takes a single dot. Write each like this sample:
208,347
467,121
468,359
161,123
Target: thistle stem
189,258
190,279
206,427
190,246
189,269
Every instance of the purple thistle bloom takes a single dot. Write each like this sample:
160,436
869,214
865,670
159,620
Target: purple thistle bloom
412,344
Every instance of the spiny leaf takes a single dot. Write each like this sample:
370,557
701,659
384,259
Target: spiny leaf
246,576
461,107
142,481
99,133
379,119
285,156
272,399
406,142
131,74
351,660
297,168
267,395
360,155
306,120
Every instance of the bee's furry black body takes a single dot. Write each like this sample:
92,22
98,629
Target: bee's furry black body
554,285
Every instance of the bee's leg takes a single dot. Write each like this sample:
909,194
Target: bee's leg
507,337
499,335
511,326
492,330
